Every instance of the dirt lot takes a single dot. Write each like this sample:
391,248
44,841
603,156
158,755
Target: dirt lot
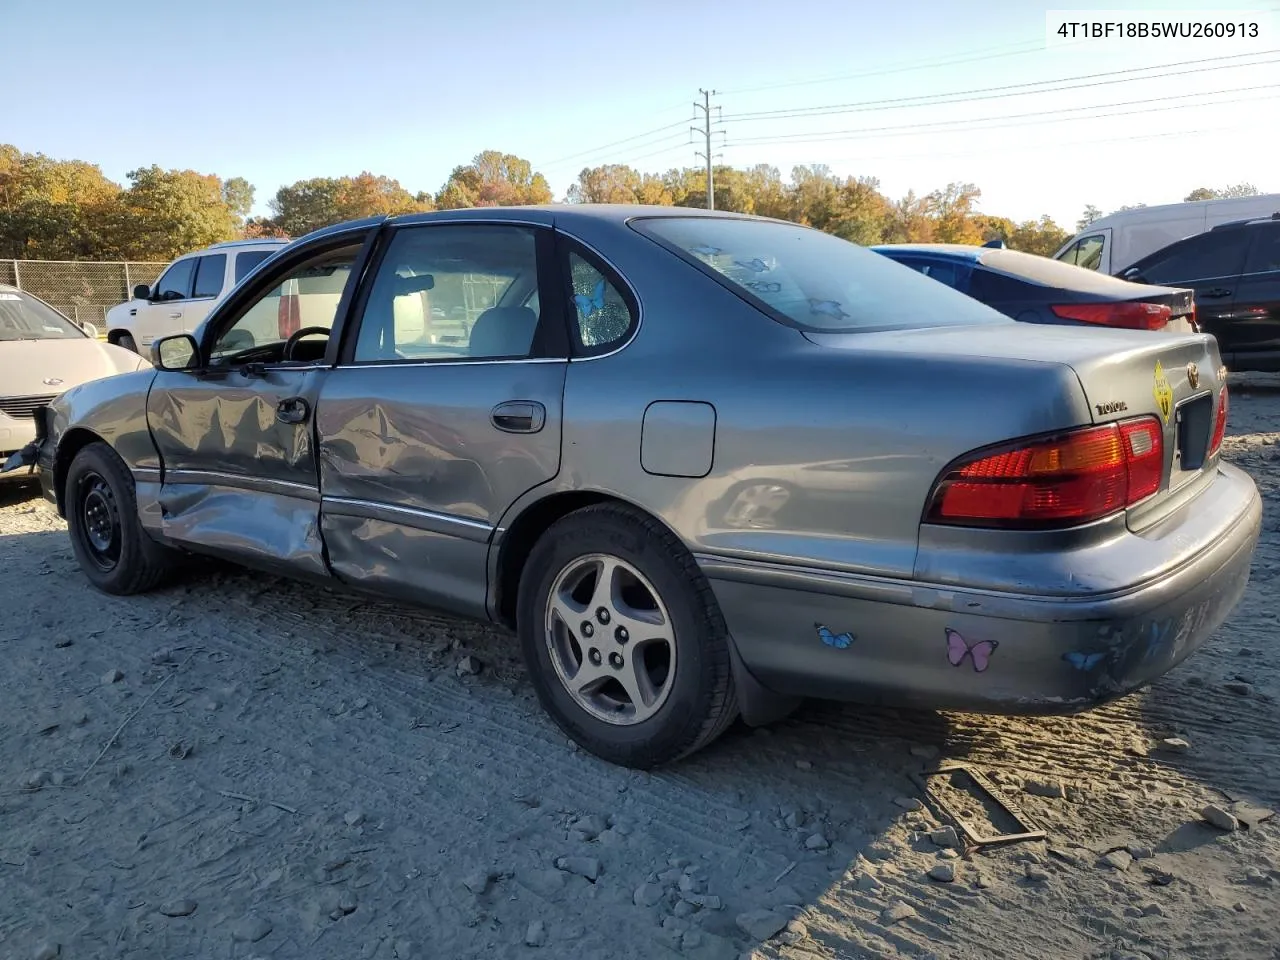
306,774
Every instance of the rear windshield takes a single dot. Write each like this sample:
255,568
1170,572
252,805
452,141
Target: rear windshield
25,318
811,280
1055,273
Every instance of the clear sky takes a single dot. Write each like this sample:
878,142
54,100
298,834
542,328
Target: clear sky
280,90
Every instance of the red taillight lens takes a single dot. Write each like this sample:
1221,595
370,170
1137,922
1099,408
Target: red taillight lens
288,316
1128,315
1065,480
1219,423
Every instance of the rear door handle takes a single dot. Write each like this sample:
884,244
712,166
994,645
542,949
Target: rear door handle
293,410
519,416
176,316
1217,293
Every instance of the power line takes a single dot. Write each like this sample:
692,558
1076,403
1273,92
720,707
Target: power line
1000,92
606,146
976,56
1036,116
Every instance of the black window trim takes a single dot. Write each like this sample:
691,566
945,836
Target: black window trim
259,283
550,338
196,273
568,244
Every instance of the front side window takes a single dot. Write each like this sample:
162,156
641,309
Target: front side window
1085,252
1217,253
209,275
175,283
453,292
308,296
811,280
23,317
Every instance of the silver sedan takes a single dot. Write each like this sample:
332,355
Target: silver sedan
702,464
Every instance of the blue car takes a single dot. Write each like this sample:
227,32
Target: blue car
1037,289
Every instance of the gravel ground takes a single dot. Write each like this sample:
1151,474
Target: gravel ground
297,773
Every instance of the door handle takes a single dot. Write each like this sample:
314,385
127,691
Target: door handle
519,416
293,410
1217,293
176,316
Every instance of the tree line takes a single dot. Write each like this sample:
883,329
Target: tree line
69,210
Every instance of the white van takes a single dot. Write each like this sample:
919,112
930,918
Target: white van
1114,242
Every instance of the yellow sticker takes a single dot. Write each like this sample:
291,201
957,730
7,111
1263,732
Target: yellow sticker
1163,393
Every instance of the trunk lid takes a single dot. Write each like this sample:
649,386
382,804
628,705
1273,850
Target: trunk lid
1123,373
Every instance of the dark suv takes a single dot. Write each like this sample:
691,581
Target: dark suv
1234,270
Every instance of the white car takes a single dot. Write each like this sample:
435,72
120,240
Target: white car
42,353
185,293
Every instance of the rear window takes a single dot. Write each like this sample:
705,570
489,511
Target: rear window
813,280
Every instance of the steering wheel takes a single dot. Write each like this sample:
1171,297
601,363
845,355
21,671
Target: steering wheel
298,335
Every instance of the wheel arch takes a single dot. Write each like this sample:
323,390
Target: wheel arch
71,443
527,527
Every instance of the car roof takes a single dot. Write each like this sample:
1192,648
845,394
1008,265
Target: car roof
955,251
1247,222
260,242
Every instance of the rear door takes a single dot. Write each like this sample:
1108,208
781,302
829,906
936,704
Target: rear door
424,442
1255,322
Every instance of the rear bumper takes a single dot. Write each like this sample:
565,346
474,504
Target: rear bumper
1047,654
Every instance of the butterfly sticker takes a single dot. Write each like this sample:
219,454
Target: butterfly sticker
589,305
827,308
840,641
764,286
706,250
979,652
1157,634
1084,662
755,266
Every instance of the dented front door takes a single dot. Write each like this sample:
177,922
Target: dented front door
240,476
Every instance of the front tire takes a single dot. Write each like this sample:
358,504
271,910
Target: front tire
623,639
107,538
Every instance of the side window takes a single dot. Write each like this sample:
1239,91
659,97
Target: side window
1213,254
602,316
453,292
248,260
1264,255
209,275
308,296
948,273
1085,252
175,283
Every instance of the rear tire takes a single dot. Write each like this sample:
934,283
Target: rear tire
113,550
126,340
638,671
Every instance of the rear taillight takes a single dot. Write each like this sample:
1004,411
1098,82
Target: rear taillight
288,316
1220,422
1128,315
1059,481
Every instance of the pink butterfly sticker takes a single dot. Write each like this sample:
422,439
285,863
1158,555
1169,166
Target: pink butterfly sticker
979,652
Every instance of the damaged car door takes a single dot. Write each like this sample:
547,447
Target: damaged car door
235,432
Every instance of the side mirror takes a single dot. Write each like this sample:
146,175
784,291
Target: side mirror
142,292
178,352
90,329
1133,275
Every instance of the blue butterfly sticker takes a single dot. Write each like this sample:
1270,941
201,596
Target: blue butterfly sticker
1084,662
589,305
764,286
1157,634
706,250
827,308
840,641
755,266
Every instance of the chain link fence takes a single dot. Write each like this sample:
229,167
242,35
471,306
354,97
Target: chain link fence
81,289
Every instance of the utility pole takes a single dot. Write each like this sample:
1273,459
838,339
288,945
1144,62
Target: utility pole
706,131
